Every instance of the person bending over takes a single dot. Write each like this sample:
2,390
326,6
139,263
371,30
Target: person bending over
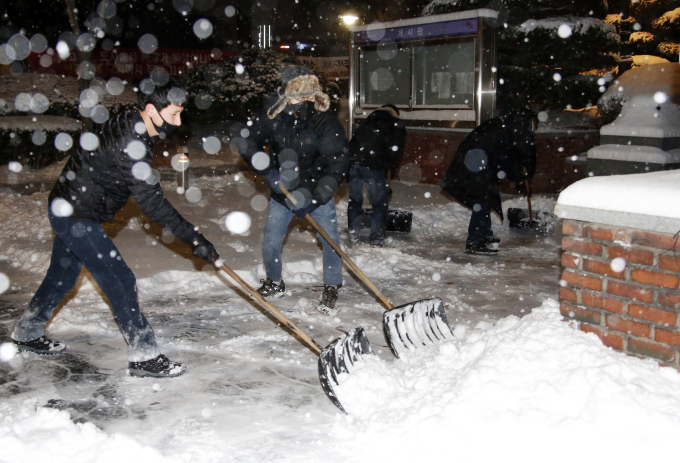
94,184
498,148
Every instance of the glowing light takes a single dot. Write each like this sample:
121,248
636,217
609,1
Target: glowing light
349,18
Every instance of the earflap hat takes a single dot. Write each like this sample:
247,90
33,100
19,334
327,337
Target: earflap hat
299,83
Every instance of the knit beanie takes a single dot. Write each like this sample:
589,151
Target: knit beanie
299,83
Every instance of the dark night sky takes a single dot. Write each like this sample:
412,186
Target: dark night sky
302,20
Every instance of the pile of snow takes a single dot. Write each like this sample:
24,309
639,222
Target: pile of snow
649,96
532,389
633,153
32,434
566,25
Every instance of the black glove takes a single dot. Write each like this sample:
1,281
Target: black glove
308,209
204,249
273,177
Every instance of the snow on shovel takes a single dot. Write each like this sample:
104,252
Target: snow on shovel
337,358
406,327
523,219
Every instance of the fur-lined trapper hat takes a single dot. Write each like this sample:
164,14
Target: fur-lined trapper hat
390,108
299,83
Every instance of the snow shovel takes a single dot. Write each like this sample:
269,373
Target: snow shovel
524,219
337,358
408,326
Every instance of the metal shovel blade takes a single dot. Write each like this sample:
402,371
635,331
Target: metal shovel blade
339,357
543,221
416,324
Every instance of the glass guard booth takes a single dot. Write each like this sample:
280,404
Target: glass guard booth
438,70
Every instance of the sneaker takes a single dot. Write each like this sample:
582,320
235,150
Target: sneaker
480,248
328,299
42,345
269,288
160,367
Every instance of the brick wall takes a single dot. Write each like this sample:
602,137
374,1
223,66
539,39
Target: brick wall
635,310
433,152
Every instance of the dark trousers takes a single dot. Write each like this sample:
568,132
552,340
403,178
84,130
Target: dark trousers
81,243
479,229
376,184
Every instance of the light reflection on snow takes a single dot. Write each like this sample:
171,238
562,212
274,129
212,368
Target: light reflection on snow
564,31
63,50
618,264
203,28
193,194
212,145
7,349
61,208
63,141
237,222
136,150
259,203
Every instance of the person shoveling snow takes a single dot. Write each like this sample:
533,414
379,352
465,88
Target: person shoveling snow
309,156
113,164
500,147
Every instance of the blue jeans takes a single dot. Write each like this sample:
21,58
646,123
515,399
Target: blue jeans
376,184
81,243
479,229
276,227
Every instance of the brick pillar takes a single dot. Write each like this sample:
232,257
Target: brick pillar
634,310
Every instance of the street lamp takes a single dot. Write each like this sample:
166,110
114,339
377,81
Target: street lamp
349,18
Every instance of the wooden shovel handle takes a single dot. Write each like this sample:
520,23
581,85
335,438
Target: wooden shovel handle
526,182
342,254
274,311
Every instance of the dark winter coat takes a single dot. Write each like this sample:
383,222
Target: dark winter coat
499,148
379,142
308,152
98,183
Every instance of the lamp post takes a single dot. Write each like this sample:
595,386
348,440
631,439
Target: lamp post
349,18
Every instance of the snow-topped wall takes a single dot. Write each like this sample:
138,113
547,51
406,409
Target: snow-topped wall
621,260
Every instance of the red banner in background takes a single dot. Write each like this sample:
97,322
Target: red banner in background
127,63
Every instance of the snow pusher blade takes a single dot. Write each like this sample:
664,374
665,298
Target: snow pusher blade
339,357
334,360
416,324
542,222
525,219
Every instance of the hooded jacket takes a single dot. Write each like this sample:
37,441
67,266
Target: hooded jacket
98,183
308,153
498,148
379,142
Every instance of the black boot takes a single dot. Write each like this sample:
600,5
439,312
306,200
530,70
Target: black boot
480,248
160,367
43,346
269,288
328,299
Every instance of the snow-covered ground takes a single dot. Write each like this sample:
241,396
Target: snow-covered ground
516,383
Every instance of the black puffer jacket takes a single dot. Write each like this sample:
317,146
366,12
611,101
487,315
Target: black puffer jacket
98,183
500,147
379,142
308,151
